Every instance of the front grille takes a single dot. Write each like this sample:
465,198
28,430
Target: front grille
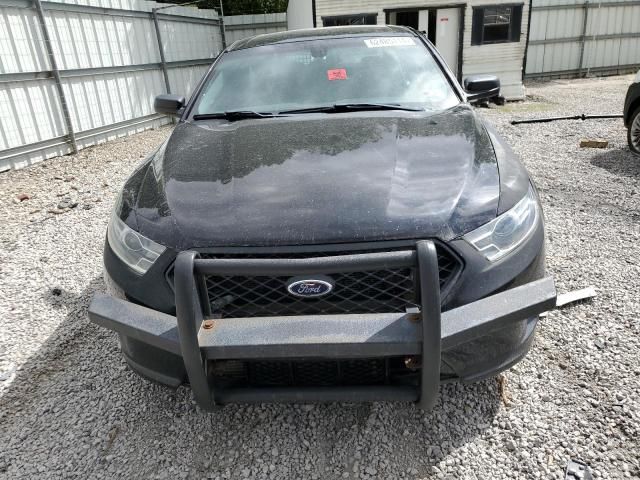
378,291
312,373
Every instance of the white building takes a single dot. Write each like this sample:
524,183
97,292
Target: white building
473,36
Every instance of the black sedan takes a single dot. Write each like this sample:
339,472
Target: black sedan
632,115
329,220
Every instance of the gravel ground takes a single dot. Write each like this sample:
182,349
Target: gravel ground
70,408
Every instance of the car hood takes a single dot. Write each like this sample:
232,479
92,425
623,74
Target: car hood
317,178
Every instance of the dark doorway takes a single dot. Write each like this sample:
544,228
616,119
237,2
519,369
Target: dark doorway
431,33
408,19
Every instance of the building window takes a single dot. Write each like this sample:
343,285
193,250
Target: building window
496,24
356,19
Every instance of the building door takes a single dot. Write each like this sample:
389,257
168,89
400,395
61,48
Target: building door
447,35
441,26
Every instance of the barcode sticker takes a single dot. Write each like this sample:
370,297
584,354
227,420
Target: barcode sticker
389,42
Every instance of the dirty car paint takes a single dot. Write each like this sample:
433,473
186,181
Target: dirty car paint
317,179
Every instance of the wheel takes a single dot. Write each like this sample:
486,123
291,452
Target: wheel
633,134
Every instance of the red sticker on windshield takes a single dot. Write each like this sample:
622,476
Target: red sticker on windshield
337,74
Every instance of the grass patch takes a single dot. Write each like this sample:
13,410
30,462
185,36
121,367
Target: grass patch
525,107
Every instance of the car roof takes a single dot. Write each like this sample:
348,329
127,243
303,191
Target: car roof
319,33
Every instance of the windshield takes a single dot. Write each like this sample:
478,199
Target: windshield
306,74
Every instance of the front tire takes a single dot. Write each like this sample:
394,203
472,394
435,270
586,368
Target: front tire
633,133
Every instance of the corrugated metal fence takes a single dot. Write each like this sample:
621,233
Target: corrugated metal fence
76,73
576,37
242,26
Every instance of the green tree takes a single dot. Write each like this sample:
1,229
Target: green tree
239,7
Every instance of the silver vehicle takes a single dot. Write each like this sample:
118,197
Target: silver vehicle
632,115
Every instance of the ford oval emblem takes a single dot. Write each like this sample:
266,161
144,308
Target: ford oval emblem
310,287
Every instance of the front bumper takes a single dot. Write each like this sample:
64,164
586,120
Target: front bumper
424,335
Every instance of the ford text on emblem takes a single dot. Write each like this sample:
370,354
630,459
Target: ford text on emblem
310,287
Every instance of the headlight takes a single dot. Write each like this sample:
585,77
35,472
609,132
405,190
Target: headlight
136,251
502,235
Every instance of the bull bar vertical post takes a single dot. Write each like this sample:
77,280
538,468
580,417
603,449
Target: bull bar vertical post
190,317
431,324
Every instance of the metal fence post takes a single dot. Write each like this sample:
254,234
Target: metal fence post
163,62
56,76
223,33
584,36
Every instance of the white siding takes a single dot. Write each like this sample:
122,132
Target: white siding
504,60
299,14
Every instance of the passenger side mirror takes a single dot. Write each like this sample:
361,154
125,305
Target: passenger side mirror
169,104
479,87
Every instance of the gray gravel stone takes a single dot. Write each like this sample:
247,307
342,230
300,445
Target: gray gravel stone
70,407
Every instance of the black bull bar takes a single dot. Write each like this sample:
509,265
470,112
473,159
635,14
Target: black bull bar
426,333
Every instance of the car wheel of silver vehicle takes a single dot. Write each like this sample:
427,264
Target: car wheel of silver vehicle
633,134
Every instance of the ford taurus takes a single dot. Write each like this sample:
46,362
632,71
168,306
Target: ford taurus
329,220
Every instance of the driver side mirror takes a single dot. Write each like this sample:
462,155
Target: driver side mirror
169,104
480,87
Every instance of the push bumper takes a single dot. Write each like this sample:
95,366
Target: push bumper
425,334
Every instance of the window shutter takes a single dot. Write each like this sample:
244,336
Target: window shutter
477,26
516,23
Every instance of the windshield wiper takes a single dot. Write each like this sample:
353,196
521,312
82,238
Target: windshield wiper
348,107
235,115
376,106
336,108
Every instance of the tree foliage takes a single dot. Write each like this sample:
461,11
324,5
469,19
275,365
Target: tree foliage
239,7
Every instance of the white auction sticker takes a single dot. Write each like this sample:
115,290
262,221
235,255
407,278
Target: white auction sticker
389,42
